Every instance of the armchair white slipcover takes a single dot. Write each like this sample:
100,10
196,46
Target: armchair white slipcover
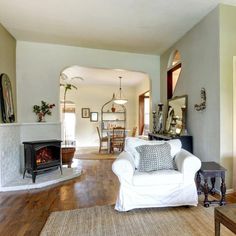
160,188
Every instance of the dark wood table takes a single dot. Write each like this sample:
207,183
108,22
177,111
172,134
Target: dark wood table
211,170
225,215
186,140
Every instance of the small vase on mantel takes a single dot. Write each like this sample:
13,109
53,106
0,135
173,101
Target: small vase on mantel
41,117
113,109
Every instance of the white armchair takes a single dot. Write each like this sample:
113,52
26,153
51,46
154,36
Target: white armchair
160,188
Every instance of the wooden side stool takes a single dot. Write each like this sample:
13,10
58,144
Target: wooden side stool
211,170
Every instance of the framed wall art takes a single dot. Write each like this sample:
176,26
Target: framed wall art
94,116
85,113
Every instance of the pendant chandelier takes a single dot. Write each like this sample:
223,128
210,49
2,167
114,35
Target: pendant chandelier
120,99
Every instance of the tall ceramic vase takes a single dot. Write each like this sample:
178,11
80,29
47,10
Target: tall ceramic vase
160,119
154,118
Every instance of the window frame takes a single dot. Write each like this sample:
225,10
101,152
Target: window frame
170,79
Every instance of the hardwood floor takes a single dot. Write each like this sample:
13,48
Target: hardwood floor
25,212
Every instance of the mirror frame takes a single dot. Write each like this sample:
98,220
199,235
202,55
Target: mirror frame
169,119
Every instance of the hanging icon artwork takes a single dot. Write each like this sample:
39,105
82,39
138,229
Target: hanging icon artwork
6,99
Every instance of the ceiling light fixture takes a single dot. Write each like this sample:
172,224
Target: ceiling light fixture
120,99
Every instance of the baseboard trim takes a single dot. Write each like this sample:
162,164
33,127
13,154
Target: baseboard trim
228,191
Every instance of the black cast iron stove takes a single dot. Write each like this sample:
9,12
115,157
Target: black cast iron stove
42,156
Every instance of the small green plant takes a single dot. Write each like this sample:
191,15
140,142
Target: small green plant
66,88
44,109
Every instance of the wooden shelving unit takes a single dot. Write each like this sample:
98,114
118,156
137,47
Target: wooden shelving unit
111,119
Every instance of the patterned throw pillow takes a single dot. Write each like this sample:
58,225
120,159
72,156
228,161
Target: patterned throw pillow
155,157
131,143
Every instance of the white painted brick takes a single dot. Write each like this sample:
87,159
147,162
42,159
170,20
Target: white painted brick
11,138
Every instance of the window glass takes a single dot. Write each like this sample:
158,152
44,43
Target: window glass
69,124
176,58
173,73
146,115
175,77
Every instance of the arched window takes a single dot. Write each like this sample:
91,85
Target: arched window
173,72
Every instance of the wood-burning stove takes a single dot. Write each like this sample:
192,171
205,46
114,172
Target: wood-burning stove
41,156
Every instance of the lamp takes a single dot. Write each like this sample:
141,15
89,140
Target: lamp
120,100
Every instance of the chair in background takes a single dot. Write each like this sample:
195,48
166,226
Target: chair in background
134,131
101,140
117,139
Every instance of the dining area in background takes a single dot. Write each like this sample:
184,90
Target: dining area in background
102,140
116,139
113,125
113,140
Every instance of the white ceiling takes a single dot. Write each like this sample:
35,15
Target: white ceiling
141,26
97,76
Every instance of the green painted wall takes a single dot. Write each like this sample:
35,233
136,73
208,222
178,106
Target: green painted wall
39,66
8,59
199,50
207,52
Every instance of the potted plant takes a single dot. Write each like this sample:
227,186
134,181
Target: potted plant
43,110
67,152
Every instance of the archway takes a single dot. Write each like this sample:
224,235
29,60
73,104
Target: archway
97,87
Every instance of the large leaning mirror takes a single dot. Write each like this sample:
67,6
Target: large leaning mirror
176,115
6,99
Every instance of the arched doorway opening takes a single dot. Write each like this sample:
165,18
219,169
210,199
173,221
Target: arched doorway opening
94,89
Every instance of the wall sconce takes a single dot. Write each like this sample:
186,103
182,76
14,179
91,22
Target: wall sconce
202,105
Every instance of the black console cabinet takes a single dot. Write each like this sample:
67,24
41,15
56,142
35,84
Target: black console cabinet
186,140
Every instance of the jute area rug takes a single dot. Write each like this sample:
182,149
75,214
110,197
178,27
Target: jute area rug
93,154
105,221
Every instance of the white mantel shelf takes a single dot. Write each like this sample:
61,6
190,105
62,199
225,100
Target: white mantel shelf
33,123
